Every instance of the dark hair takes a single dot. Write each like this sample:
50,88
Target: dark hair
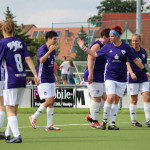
105,32
117,28
71,63
64,57
50,34
1,35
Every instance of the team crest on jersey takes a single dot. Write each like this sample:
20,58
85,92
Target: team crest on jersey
123,52
143,55
45,93
97,91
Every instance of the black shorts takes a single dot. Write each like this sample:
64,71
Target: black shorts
64,76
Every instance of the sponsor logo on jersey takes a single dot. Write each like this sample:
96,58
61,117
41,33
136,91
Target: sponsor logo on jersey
14,45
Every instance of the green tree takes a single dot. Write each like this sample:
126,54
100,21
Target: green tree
115,6
9,15
19,32
80,56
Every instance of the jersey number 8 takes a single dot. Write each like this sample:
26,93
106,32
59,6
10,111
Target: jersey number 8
18,62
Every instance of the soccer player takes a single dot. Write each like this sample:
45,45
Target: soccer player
116,53
94,78
47,75
13,53
137,81
2,108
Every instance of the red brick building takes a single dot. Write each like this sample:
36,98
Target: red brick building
66,38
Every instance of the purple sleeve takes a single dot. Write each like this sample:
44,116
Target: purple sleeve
128,60
102,51
41,53
2,51
130,54
145,57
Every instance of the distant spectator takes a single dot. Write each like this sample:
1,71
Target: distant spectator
64,72
82,82
75,79
70,73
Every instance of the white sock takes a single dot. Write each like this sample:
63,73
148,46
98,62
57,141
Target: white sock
2,118
50,112
147,111
8,130
113,114
94,110
107,108
133,112
101,104
13,123
39,111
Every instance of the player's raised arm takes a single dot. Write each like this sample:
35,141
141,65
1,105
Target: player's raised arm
84,48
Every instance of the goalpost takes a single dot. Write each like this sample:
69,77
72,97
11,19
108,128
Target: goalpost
80,67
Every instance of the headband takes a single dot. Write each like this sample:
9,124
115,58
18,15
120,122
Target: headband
115,33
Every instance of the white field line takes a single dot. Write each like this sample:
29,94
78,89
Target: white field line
70,125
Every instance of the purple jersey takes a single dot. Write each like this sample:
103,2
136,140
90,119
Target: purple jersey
116,61
1,71
141,77
45,71
98,68
12,54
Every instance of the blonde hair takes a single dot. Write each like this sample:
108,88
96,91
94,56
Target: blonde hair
9,26
138,35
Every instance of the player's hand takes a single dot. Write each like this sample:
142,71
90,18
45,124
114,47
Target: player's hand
57,82
148,74
90,79
51,48
37,81
80,43
133,76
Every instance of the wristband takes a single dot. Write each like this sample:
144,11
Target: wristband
84,48
144,70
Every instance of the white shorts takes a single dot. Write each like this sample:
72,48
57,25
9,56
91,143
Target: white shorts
47,90
135,88
96,89
1,87
114,87
14,96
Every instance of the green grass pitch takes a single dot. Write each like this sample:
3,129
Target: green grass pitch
76,133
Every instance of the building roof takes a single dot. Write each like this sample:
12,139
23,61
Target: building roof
66,38
128,21
27,28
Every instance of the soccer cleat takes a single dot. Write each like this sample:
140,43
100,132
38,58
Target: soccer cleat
88,118
95,125
103,125
2,135
113,127
15,140
136,124
32,122
147,123
52,128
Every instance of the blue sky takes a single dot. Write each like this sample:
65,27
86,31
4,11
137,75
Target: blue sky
43,12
